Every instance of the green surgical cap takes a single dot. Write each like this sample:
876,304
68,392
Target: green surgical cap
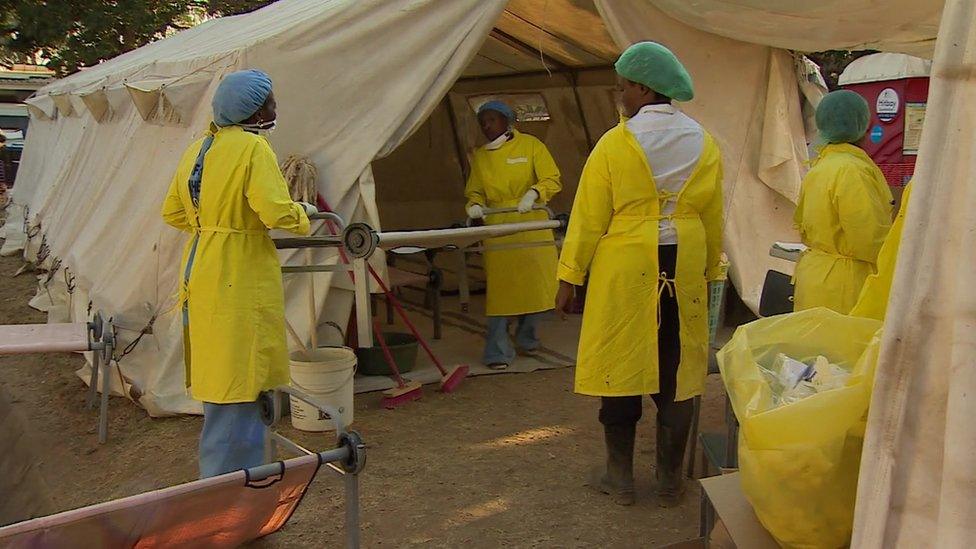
843,117
654,66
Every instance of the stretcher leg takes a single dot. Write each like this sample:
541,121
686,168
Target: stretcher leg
462,273
352,510
106,388
362,303
93,380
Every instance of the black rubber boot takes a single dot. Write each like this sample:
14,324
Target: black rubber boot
671,444
617,479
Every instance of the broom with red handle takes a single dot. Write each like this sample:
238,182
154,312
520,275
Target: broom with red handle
405,391
450,380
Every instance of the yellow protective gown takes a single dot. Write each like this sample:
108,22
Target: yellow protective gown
613,236
235,342
522,280
843,215
873,301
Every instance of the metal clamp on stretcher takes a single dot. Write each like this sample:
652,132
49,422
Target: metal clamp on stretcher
347,459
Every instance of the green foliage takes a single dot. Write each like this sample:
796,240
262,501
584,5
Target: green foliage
235,7
71,34
833,63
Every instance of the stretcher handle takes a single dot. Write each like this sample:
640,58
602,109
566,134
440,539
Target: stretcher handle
328,216
496,211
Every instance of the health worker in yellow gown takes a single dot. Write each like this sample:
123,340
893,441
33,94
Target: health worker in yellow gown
844,211
514,170
226,194
646,233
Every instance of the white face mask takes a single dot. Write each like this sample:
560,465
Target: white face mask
499,141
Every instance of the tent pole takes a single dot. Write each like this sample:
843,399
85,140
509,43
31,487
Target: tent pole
602,68
573,78
462,158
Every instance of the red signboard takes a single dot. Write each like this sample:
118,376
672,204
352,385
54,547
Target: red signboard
897,108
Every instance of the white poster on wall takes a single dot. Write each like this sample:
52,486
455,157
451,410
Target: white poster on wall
914,118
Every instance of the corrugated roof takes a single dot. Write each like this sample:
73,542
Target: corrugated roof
25,75
13,109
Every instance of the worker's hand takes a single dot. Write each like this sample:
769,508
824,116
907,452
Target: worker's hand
564,298
475,211
525,206
310,210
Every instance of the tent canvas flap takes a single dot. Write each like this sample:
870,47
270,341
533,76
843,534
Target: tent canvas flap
42,107
182,97
916,482
62,101
146,98
907,26
97,104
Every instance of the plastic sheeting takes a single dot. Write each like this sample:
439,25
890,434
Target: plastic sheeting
801,482
916,486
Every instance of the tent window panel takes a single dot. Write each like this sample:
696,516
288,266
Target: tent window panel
528,107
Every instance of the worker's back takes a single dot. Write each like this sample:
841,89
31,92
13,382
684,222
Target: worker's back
843,215
231,269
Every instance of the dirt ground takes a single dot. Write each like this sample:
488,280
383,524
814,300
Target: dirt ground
501,462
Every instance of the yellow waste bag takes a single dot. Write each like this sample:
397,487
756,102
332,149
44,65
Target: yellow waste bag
799,458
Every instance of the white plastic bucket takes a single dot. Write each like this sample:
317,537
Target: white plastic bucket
325,374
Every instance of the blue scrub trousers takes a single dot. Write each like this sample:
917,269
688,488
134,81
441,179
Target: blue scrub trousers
498,346
232,438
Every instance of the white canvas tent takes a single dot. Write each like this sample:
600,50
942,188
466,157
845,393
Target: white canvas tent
106,139
357,78
880,67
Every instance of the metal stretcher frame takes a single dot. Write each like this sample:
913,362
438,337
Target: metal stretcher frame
235,501
348,462
360,241
96,336
358,268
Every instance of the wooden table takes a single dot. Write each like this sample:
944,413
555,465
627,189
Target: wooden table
722,498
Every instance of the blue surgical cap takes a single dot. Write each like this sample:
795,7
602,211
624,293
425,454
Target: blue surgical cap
239,95
843,116
656,67
499,107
